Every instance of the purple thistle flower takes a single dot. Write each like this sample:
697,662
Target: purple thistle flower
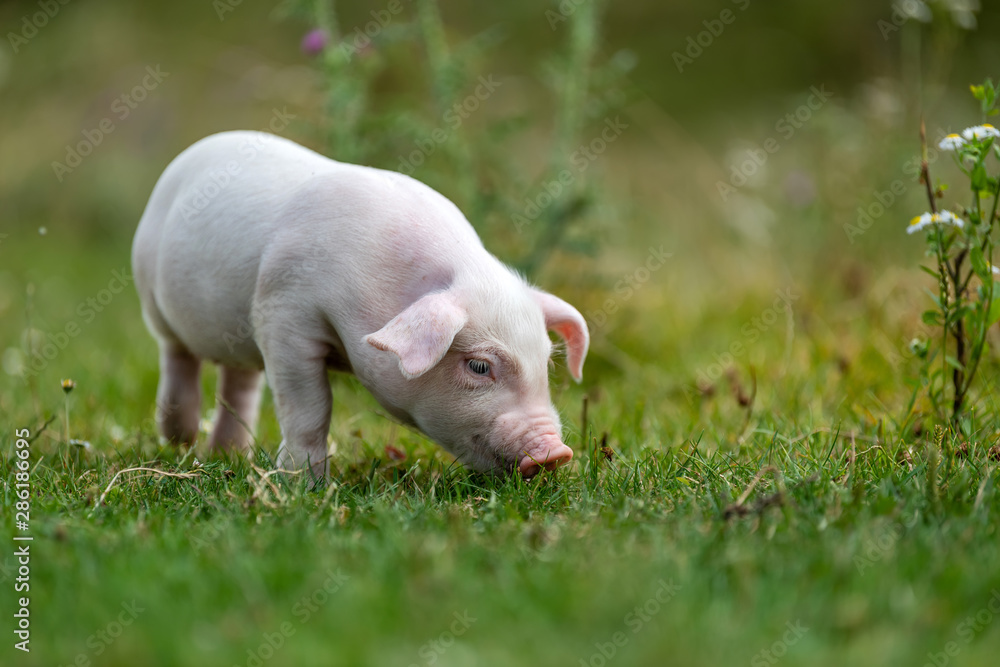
315,41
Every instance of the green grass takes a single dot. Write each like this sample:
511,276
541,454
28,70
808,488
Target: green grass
788,485
880,545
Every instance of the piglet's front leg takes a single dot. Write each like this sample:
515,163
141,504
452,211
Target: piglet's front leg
297,375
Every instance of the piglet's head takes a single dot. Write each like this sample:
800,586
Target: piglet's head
474,373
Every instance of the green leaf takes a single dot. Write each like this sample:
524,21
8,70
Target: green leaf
994,315
957,313
980,181
953,362
979,264
931,318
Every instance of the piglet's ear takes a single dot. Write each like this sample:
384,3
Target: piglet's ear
566,321
421,335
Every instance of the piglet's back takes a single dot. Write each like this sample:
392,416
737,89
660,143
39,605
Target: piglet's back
209,221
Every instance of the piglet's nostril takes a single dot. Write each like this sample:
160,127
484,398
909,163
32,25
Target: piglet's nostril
550,458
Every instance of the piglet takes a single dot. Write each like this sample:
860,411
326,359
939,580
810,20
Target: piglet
256,254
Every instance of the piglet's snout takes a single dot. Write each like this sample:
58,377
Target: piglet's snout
553,456
532,439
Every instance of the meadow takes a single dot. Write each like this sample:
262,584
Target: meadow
761,476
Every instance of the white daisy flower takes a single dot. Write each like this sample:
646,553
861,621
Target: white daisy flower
984,131
117,433
951,143
963,12
915,9
927,219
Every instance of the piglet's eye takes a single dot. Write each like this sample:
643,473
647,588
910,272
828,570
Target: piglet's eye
479,367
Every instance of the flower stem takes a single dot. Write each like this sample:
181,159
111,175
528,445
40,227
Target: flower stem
944,270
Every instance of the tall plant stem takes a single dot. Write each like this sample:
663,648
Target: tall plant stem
925,176
575,79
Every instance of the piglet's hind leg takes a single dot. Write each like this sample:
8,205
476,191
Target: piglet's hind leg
237,409
178,397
